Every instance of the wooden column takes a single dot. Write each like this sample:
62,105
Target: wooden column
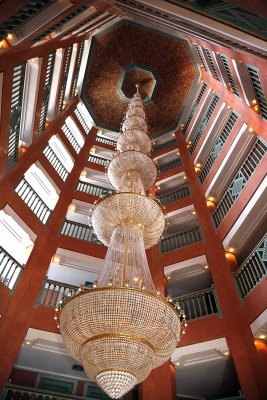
160,384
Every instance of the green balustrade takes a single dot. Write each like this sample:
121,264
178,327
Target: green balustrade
204,123
33,200
71,138
218,145
82,121
47,90
179,240
10,269
164,146
192,113
200,304
240,180
55,162
182,192
15,114
65,78
253,270
94,190
78,231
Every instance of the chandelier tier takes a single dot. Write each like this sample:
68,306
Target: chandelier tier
134,139
134,208
123,327
134,162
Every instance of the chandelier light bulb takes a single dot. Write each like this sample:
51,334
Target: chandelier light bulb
122,327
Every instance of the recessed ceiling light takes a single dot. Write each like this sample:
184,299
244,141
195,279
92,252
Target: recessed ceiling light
56,259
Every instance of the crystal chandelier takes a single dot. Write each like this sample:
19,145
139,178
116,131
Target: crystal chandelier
123,327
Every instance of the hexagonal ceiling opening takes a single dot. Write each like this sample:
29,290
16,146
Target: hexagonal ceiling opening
126,54
146,78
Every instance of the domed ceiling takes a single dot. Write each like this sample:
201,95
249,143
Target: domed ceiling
127,54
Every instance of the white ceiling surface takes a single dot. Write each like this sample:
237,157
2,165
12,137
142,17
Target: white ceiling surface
80,213
181,219
187,264
205,370
167,157
14,238
102,152
75,268
200,352
45,352
96,177
172,182
188,276
259,326
166,137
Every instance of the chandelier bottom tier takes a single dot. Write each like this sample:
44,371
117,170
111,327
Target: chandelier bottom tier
122,328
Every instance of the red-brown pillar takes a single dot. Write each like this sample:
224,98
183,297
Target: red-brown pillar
16,318
252,378
80,388
261,348
160,384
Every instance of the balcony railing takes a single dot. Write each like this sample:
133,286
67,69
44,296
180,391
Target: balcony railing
89,188
33,200
218,145
98,160
204,123
214,70
78,231
229,74
81,120
46,95
170,165
181,239
15,392
240,180
104,140
253,270
163,146
65,79
256,82
182,192
78,67
192,113
53,292
56,163
199,304
10,269
69,135
15,114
